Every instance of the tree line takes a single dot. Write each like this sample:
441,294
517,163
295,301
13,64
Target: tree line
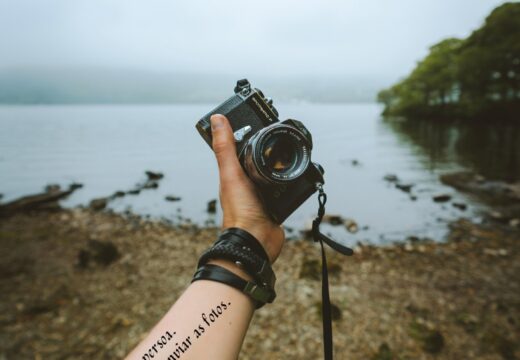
473,78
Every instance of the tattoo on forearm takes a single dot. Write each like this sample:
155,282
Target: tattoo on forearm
181,347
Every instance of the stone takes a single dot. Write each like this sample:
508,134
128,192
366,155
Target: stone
150,185
172,198
75,186
98,204
333,219
391,178
154,175
52,188
103,252
118,194
441,198
212,206
351,226
460,206
404,187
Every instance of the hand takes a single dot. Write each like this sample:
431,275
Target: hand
240,203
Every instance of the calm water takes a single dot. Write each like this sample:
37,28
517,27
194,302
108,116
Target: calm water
108,148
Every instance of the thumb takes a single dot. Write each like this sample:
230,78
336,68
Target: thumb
224,148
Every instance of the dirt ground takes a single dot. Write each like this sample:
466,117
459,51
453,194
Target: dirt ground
78,284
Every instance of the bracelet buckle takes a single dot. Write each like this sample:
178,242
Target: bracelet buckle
259,293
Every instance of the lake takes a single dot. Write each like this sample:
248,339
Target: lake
108,148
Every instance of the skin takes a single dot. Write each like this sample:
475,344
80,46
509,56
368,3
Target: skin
223,338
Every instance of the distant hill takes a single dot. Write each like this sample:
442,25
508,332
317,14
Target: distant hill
110,86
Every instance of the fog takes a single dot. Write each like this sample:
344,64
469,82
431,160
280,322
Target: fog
373,38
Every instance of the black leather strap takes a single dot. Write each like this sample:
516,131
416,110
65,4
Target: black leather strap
259,294
328,342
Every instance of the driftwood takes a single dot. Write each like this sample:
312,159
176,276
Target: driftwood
47,200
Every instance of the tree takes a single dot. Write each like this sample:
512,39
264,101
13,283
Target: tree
474,77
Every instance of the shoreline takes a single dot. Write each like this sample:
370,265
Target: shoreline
89,284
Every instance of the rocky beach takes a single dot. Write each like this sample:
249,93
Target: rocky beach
88,283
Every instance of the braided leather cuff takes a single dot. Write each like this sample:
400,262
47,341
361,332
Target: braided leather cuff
258,269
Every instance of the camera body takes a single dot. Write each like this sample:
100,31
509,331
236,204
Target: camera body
274,154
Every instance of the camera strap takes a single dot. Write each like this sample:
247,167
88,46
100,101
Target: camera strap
325,298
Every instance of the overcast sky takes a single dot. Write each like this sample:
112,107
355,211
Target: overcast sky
363,37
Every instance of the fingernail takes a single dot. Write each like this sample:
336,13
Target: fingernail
217,121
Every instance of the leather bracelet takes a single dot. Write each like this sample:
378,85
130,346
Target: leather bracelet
260,270
259,294
243,238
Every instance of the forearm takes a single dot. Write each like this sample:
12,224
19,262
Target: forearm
209,320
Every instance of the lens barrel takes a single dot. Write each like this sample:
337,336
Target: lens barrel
276,154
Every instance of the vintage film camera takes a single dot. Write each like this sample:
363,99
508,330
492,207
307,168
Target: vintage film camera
275,155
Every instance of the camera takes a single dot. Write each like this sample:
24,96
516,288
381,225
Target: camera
276,155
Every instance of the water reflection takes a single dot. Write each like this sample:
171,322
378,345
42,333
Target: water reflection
493,150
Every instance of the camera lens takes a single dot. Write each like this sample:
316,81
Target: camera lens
280,153
277,154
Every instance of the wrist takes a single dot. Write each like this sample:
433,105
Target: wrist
266,236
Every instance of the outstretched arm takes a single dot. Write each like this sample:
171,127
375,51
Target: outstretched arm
210,319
